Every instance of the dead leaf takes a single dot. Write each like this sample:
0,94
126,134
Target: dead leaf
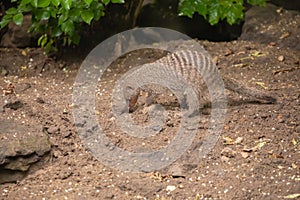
294,166
286,70
238,140
292,196
284,35
274,155
257,54
240,52
24,53
262,84
294,141
227,140
259,145
253,54
4,72
228,52
24,67
9,90
230,141
215,60
241,65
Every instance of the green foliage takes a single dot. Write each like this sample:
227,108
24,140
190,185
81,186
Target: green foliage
56,19
216,10
60,20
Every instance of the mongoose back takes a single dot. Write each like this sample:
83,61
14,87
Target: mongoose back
199,71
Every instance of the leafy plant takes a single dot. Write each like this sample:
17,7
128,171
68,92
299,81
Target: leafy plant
60,20
216,10
56,19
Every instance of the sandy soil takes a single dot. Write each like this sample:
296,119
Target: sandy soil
256,156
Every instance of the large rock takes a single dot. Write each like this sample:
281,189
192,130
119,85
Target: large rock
287,4
22,150
272,24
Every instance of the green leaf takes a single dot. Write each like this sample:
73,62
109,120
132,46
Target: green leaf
53,13
257,2
66,4
88,2
18,19
3,23
55,2
50,46
201,8
75,14
68,27
12,11
57,32
25,8
43,3
105,2
63,18
42,40
117,1
98,10
25,2
42,14
34,3
187,8
234,13
75,39
69,41
213,16
87,16
240,3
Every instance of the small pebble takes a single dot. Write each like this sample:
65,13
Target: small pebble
170,188
280,58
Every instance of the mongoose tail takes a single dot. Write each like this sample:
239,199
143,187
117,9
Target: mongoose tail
261,96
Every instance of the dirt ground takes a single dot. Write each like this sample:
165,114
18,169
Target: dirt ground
256,156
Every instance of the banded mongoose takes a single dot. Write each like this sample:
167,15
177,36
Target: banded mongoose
195,67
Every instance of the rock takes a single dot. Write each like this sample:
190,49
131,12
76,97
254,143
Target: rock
255,18
280,58
176,171
244,154
22,150
287,4
170,188
224,159
268,25
12,102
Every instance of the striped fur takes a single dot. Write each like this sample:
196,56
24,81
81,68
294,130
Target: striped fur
199,71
